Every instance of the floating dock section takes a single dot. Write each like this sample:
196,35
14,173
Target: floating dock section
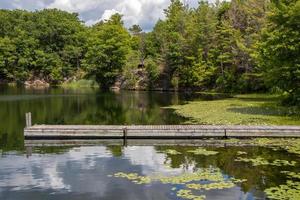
65,132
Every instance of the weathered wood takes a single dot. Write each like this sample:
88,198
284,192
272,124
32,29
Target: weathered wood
142,142
28,119
156,131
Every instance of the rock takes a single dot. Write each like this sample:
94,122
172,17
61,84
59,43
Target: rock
36,83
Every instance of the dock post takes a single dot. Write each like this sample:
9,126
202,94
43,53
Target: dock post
125,136
28,119
28,152
225,134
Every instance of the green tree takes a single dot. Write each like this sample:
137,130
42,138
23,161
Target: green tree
7,58
46,44
280,49
107,49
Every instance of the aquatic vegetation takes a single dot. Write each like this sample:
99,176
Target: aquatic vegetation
278,162
255,161
212,178
187,194
134,177
293,147
211,186
291,174
239,110
264,141
201,175
203,151
236,180
261,161
232,140
172,152
241,153
290,191
290,145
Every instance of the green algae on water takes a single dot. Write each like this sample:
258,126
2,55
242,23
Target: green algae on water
201,175
241,153
236,180
254,109
211,186
290,145
202,151
134,177
261,161
187,194
172,152
292,174
289,191
214,177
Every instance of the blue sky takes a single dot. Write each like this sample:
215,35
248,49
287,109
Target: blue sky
142,12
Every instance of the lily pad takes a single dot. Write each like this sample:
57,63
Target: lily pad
172,152
134,177
261,161
241,153
203,151
292,174
290,191
211,186
187,194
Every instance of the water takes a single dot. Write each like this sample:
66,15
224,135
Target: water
79,106
83,172
88,172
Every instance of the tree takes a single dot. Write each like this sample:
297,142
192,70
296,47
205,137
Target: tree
7,58
46,44
280,49
106,51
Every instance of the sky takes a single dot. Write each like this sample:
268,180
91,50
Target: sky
142,12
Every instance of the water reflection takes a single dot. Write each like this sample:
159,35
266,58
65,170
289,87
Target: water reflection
82,172
79,106
84,106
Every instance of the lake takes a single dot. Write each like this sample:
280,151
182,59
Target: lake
106,171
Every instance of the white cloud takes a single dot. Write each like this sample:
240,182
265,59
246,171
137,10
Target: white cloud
142,12
154,162
74,5
108,13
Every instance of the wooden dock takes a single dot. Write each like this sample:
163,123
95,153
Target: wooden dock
141,142
60,132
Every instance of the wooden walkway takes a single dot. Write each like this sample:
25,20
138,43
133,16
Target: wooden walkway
141,142
156,131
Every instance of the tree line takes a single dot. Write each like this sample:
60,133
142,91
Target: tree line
237,46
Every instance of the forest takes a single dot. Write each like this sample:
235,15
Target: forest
241,46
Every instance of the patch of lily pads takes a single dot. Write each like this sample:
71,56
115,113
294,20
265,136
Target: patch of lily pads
201,175
134,177
187,194
202,151
203,179
261,161
172,152
218,185
289,191
241,153
294,175
290,145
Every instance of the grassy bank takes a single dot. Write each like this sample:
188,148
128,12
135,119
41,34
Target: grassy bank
254,109
83,83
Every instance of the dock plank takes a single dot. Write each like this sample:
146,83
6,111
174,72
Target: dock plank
157,131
